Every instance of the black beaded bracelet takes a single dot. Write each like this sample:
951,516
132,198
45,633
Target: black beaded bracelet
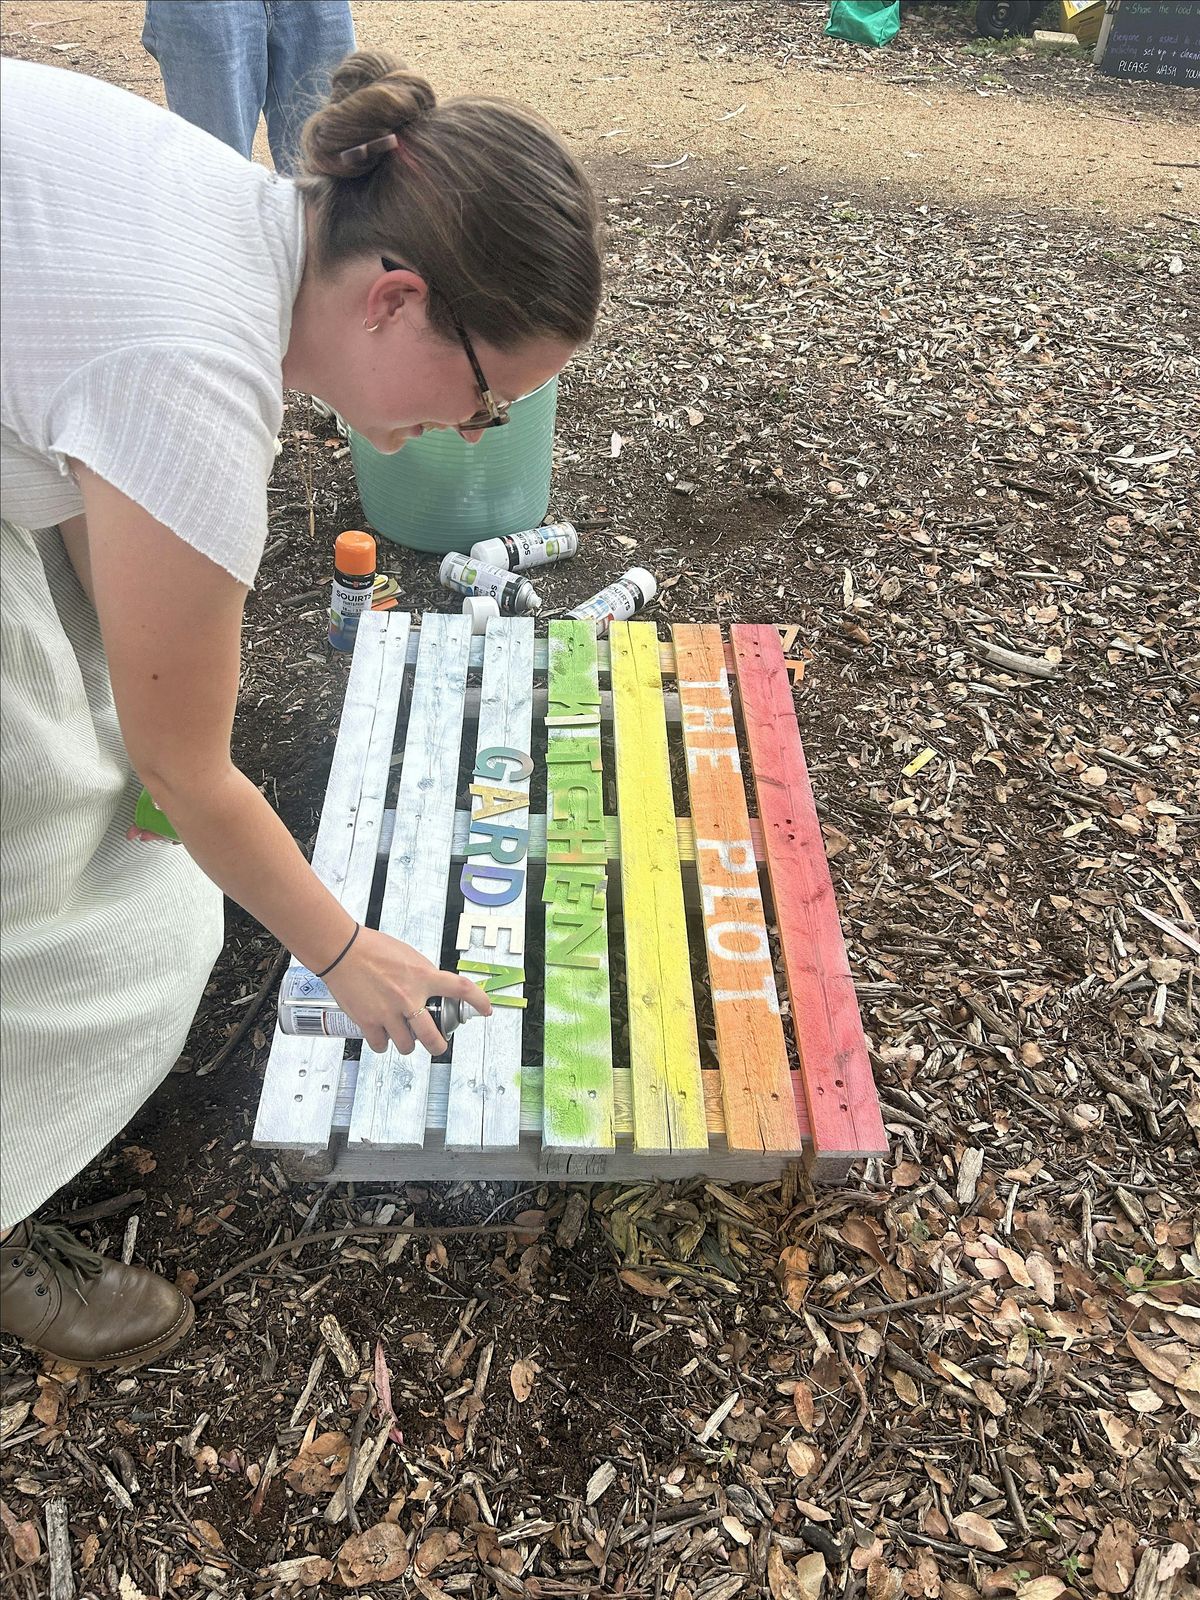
345,952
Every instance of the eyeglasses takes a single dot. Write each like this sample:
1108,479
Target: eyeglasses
493,413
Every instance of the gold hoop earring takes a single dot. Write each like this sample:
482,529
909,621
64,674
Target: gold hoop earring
374,328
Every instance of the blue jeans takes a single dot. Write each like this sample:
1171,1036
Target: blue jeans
225,61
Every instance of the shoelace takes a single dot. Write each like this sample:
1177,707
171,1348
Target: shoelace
65,1255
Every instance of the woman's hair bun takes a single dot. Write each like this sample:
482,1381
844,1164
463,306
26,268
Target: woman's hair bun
371,95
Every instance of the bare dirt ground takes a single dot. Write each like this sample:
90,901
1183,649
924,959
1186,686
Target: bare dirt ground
753,90
924,428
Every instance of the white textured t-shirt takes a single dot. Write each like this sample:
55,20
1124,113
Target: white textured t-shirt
146,285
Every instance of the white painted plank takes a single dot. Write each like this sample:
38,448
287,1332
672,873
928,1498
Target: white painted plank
296,1105
484,1108
541,655
684,831
389,1109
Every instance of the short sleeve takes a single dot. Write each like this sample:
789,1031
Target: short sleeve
189,435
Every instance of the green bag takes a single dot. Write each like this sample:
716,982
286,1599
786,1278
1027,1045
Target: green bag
864,21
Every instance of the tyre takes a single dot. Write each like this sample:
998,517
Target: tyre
995,18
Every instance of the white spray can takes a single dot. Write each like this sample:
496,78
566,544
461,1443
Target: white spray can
619,601
515,596
536,547
479,609
307,1008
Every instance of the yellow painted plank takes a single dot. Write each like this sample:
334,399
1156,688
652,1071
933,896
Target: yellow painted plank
664,1048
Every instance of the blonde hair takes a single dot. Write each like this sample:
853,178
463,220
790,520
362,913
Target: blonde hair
479,196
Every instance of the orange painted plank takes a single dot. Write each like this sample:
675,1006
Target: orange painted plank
843,1106
756,1089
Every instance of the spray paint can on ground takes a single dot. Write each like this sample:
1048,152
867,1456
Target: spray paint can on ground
307,1008
515,596
536,547
619,601
479,609
353,586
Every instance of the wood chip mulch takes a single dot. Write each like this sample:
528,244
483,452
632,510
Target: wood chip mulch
958,453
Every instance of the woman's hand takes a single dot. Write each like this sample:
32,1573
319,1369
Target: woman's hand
384,985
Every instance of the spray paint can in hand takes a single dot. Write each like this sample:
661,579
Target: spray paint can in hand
515,596
307,1008
536,547
619,601
353,586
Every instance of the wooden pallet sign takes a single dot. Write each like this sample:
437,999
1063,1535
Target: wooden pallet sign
642,1024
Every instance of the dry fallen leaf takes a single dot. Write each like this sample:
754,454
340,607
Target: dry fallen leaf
377,1555
863,1236
1171,1363
1017,1270
802,1402
521,1379
208,1542
1113,1565
810,1574
306,1570
795,1266
783,1581
50,1402
439,1546
26,1542
802,1458
650,1287
319,1463
1169,1562
977,1532
1047,1588
1144,1401
1042,1273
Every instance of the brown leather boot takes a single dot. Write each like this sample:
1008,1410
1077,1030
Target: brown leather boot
59,1297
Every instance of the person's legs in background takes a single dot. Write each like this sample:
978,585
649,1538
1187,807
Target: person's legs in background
305,42
213,58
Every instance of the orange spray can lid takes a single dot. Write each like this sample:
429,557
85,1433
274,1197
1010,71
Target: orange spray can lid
354,553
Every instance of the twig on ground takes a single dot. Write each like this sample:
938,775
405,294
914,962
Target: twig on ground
101,1210
1013,1496
360,1423
856,1427
252,1010
920,1302
356,1230
58,1542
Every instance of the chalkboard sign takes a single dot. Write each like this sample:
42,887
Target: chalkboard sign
1154,39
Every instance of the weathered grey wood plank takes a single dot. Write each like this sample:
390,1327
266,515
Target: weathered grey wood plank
302,1076
390,1105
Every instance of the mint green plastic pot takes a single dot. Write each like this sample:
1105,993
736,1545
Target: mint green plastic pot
439,493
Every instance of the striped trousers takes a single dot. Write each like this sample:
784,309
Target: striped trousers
105,945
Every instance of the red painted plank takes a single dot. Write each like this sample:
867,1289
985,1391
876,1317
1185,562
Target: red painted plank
801,1100
843,1106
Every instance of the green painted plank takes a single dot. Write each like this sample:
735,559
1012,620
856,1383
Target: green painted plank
578,1083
